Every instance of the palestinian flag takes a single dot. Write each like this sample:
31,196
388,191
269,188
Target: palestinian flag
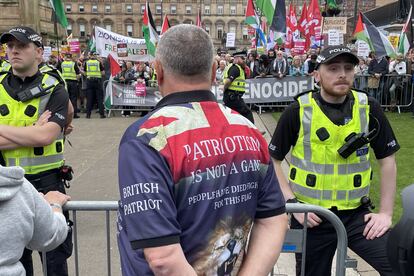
149,30
165,25
377,41
275,13
92,43
252,19
198,22
403,41
57,7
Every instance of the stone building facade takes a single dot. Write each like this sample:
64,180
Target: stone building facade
36,14
125,16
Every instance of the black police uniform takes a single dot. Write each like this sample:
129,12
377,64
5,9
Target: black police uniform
234,99
73,89
50,180
321,240
94,92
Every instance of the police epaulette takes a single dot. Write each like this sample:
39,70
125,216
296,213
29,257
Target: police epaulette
358,90
304,92
54,73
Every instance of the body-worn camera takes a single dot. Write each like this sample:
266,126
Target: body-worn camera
353,142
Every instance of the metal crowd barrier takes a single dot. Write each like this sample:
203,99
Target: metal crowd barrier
391,91
130,108
295,241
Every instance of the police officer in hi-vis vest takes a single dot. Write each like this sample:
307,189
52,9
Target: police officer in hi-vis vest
71,74
234,86
330,132
33,114
94,71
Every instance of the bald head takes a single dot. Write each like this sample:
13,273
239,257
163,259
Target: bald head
186,51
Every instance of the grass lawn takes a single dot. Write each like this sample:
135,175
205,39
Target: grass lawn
403,126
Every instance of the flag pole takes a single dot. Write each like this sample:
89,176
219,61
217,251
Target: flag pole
56,32
162,19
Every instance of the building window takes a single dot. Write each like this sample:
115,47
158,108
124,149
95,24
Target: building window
129,29
108,27
232,29
158,9
68,8
142,8
69,29
206,9
232,9
207,28
128,8
173,9
81,8
107,8
94,8
82,30
220,9
188,9
219,31
245,32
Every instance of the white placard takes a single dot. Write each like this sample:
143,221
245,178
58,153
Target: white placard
363,48
231,39
47,52
335,38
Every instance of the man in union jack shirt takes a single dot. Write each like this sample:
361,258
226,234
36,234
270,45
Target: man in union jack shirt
195,177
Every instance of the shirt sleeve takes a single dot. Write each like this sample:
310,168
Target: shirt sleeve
146,187
286,133
58,105
384,143
50,228
270,199
233,73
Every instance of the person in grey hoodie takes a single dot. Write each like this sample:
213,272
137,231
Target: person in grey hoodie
28,219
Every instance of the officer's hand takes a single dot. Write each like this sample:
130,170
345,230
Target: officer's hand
56,197
44,118
377,225
313,219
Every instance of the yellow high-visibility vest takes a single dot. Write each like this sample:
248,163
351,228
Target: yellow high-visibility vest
318,174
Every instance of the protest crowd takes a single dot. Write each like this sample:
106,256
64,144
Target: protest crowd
165,240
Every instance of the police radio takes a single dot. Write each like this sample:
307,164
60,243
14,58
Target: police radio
355,141
34,92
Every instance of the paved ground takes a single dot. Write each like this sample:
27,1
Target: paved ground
94,158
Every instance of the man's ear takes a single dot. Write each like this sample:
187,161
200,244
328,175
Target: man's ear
317,76
213,71
159,70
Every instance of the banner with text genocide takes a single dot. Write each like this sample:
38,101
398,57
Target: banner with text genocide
263,90
271,90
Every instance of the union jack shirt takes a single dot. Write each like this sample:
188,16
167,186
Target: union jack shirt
197,173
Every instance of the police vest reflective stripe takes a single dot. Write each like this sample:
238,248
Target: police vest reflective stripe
5,66
49,69
318,174
93,69
34,160
239,83
68,70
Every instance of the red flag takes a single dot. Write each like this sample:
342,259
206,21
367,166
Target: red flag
314,16
165,25
115,68
291,27
198,23
303,19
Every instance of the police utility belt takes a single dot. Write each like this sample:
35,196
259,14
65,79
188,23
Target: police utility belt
234,94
